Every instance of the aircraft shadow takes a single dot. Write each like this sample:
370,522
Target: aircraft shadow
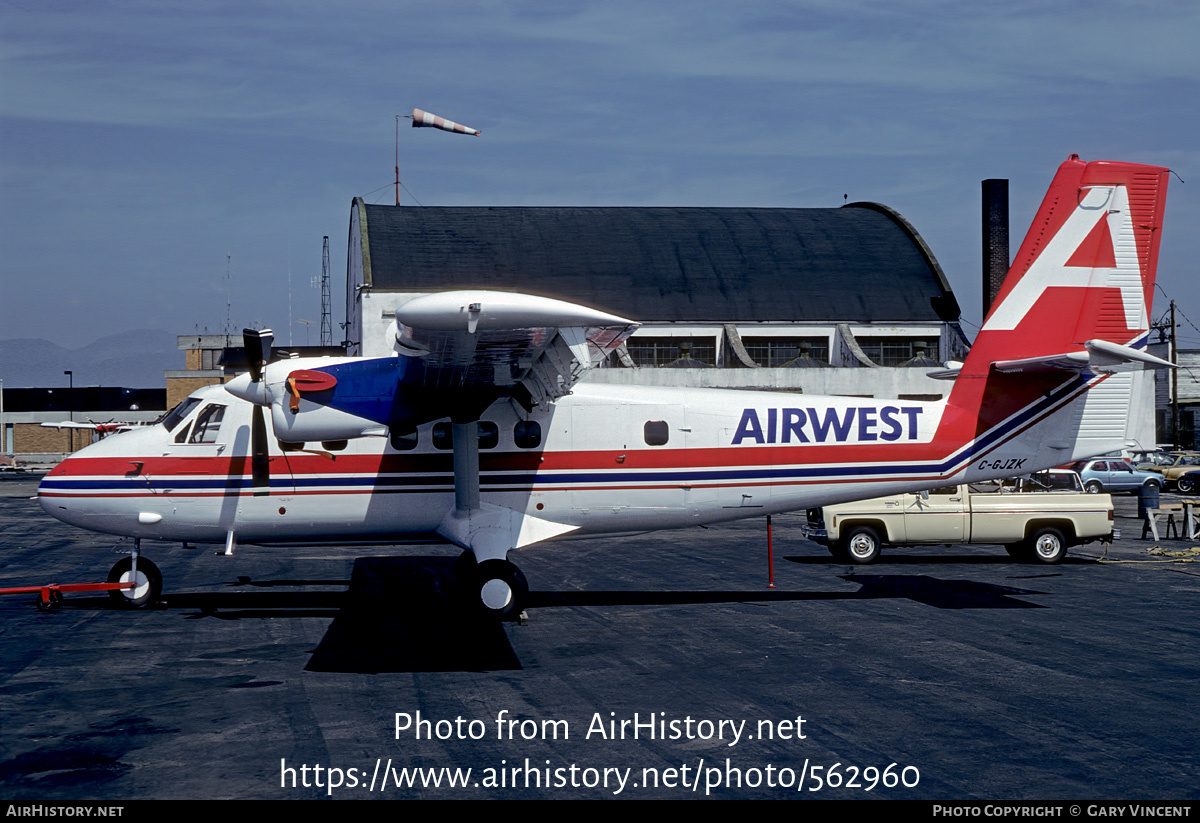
404,614
886,559
931,591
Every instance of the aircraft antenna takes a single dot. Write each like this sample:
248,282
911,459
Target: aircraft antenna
326,318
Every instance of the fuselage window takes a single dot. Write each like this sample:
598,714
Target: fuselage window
334,445
489,434
183,434
208,424
527,434
443,436
656,432
403,441
289,447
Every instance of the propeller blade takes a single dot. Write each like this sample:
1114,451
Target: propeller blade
260,462
258,354
258,350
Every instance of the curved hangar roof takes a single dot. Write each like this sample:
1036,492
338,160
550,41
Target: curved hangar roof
861,262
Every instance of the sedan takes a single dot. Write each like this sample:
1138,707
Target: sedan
1115,475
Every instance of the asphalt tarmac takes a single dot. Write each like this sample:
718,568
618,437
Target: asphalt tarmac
658,666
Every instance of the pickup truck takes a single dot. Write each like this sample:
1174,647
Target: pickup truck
1036,519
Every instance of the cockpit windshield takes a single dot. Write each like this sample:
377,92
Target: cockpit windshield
176,415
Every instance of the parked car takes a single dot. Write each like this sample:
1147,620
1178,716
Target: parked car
1150,460
1112,474
1182,463
1188,482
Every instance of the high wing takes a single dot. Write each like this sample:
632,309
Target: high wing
456,354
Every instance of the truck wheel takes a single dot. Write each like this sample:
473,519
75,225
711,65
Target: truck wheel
862,545
1048,546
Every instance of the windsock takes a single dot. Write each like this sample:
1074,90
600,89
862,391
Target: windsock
424,118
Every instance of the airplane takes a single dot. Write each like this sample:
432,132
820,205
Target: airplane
102,429
478,431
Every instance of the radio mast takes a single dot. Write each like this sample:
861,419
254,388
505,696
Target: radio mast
326,319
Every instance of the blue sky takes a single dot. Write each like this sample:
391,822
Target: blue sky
141,143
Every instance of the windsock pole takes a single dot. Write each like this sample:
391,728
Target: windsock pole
423,118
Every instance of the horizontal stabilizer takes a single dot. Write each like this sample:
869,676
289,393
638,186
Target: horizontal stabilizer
1099,357
949,373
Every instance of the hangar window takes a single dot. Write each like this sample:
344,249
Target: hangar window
527,434
656,432
208,424
403,440
673,352
894,351
786,352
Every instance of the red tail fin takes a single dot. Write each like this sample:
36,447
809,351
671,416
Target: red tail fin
1086,269
1079,290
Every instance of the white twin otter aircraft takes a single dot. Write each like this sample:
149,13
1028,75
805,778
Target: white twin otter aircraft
477,431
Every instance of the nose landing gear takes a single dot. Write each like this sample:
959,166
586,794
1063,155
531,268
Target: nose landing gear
143,573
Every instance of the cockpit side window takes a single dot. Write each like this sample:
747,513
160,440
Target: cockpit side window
176,415
208,423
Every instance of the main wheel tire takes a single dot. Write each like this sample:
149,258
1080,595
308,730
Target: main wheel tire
1186,484
501,589
1093,487
861,545
1048,546
149,582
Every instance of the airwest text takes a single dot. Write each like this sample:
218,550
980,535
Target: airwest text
811,425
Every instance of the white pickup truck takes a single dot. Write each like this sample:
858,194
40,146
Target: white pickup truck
1036,518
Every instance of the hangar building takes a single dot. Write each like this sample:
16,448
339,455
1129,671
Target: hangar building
845,300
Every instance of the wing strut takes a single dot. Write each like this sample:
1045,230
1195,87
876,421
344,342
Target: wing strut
488,530
466,466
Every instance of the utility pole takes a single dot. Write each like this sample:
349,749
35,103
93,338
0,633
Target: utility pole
1174,382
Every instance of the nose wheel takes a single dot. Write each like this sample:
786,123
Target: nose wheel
147,577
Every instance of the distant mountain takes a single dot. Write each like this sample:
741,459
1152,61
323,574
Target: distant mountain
133,359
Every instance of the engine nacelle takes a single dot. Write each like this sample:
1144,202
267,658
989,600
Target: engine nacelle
313,422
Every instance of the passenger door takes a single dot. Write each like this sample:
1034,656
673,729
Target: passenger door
939,517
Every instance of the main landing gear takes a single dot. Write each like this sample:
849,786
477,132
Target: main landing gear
495,588
141,571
